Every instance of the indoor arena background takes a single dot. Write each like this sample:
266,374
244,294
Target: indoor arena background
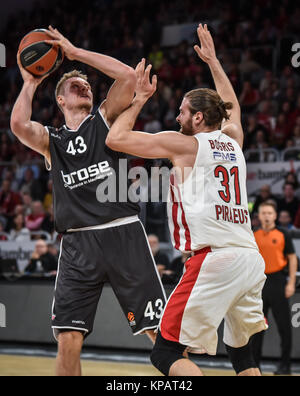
258,44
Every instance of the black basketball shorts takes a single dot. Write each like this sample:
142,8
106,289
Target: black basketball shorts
118,255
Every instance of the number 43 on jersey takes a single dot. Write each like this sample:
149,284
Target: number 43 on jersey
77,147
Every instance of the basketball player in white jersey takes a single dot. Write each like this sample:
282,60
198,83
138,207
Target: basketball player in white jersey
225,276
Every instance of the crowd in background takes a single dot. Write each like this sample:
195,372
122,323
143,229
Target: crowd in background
253,41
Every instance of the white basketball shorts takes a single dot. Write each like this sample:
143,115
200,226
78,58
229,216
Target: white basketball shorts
217,284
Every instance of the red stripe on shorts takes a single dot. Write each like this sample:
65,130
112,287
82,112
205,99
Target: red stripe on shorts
173,315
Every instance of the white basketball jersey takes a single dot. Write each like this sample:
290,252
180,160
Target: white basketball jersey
210,209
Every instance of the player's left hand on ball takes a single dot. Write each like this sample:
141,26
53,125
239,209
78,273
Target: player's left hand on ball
59,39
207,51
28,77
145,87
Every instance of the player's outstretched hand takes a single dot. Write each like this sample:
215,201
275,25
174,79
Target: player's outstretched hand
145,88
58,39
207,51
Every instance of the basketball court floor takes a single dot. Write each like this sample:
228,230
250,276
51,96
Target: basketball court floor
40,361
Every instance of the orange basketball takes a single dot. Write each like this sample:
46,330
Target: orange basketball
37,57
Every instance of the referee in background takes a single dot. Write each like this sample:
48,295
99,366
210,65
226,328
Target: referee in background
277,249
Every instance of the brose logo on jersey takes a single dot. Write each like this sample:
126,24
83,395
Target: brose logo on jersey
87,175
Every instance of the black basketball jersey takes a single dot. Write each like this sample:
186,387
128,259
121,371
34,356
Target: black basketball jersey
82,166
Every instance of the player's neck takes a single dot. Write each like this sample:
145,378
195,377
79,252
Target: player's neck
73,119
205,129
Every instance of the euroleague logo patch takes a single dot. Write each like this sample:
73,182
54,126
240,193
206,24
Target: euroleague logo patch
131,319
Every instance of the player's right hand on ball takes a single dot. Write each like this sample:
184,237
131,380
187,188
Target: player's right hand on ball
58,39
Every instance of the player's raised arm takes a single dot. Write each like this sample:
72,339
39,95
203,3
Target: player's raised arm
207,53
122,138
30,133
121,93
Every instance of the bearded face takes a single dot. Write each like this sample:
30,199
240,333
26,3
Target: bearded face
185,119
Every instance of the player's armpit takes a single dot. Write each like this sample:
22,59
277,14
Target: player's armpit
235,131
33,135
160,145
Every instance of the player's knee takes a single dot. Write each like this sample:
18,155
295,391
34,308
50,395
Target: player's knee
70,342
241,358
165,354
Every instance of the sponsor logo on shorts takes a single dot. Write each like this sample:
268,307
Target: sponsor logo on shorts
53,317
78,322
131,319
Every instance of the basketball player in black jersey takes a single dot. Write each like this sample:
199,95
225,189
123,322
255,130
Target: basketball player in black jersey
102,242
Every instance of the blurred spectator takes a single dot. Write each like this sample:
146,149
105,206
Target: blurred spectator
48,199
285,220
26,183
261,140
152,125
19,233
54,251
175,271
249,97
296,136
27,203
156,57
265,115
41,260
289,202
297,219
2,231
161,259
267,81
8,199
251,130
292,178
48,224
31,186
280,133
265,194
35,219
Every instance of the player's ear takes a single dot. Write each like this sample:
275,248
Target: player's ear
60,101
198,117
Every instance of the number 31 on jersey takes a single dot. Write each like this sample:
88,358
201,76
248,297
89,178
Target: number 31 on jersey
77,147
